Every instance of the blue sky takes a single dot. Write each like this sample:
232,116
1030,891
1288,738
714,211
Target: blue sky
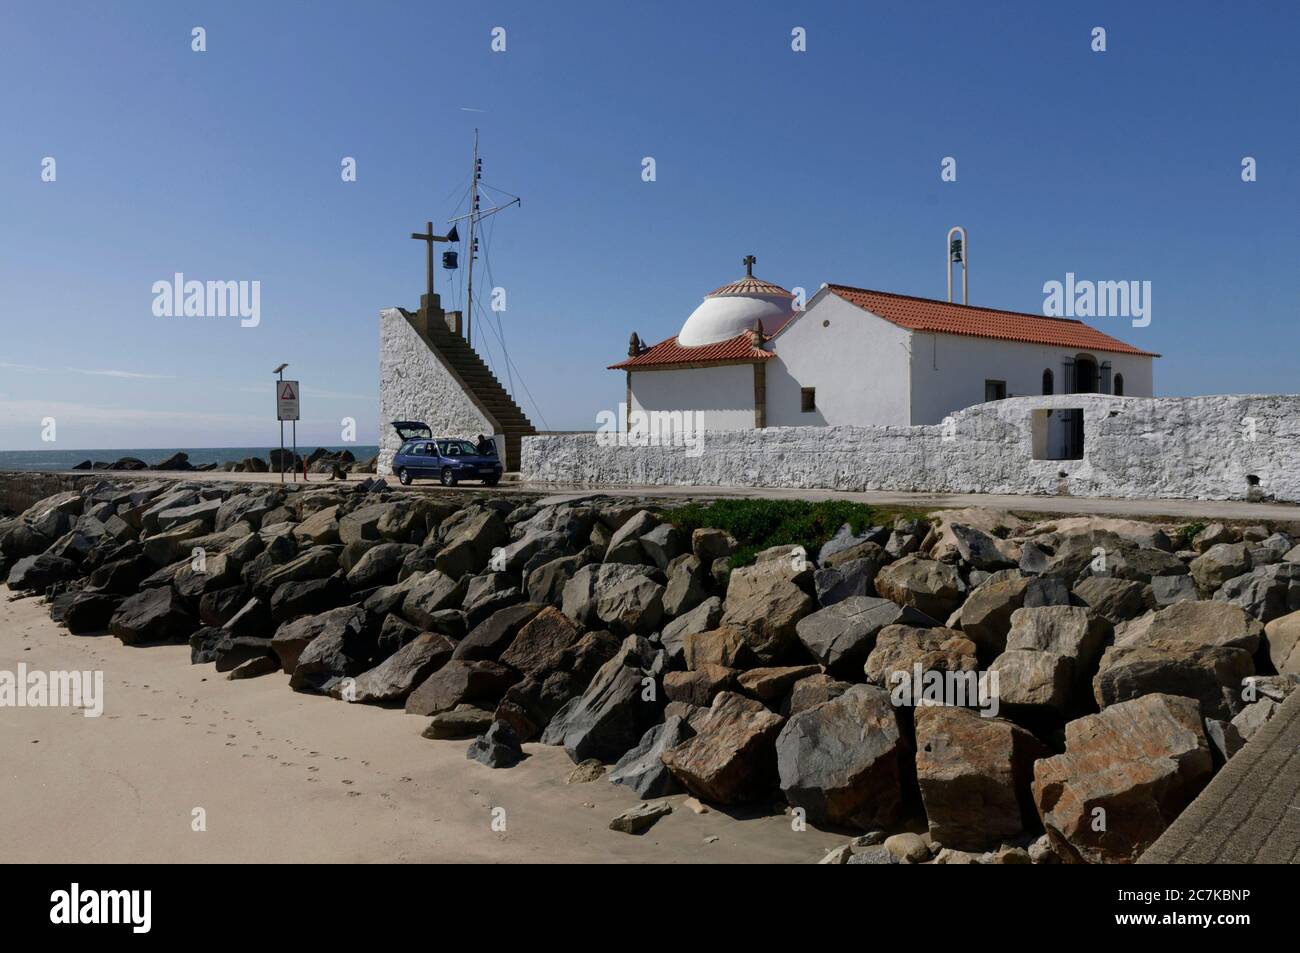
225,165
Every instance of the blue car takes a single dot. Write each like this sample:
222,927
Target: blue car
448,460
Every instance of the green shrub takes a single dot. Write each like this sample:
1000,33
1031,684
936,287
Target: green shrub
760,524
1186,533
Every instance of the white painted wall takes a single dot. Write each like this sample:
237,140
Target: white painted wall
725,393
857,362
949,371
414,384
1137,448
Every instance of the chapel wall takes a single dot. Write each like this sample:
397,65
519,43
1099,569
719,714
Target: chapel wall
1134,448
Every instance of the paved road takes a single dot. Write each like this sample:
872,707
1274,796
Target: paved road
1250,812
1188,510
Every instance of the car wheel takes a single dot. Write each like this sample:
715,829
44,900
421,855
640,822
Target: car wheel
448,478
404,476
492,480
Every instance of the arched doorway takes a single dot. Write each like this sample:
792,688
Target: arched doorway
1082,376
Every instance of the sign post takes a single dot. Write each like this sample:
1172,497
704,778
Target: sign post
286,408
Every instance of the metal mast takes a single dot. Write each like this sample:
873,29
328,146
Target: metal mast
477,173
476,214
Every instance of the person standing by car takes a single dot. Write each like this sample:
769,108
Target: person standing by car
487,447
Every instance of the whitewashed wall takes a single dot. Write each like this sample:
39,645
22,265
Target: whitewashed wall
855,360
724,394
1172,448
414,384
949,371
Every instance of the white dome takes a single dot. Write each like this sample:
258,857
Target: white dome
735,308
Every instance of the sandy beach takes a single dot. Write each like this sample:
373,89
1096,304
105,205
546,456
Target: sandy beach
287,777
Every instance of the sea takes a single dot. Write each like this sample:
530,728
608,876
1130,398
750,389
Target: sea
67,459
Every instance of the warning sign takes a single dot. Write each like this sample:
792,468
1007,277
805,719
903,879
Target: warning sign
286,400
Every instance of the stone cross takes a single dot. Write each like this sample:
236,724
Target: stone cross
429,238
748,262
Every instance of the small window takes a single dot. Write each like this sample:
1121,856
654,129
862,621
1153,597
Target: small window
808,399
1119,385
1048,383
995,390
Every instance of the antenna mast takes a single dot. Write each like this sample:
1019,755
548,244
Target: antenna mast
475,215
476,174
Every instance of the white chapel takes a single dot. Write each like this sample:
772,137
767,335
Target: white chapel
746,358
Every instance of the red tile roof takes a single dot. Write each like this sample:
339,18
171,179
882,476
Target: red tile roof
739,349
941,317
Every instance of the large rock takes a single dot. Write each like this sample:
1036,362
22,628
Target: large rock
1283,637
642,770
624,597
203,510
379,565
1126,773
733,757
362,523
343,649
723,646
1199,649
615,710
318,562
686,587
926,585
771,684
709,544
1114,600
546,582
321,527
811,691
900,648
169,545
90,612
1218,564
703,618
40,572
1071,633
430,594
700,685
494,635
986,613
498,748
1266,592
844,761
981,550
292,638
765,603
1030,683
842,635
396,677
152,615
625,545
488,593
628,600
541,636
468,547
554,680
975,775
460,682
309,597
856,577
